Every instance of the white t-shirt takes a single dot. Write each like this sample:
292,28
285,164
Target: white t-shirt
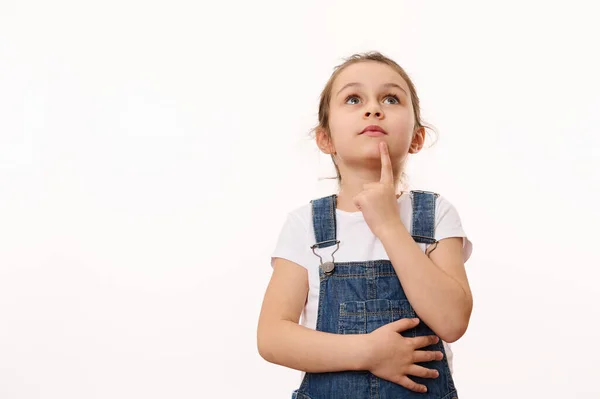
357,244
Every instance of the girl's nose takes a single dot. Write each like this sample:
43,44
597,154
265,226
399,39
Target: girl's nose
377,114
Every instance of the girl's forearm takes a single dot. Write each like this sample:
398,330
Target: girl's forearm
291,345
438,299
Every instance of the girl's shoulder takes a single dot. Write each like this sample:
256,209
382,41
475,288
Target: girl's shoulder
302,214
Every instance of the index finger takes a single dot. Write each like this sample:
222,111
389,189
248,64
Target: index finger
387,173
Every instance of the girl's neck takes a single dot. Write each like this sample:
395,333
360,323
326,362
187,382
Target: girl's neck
353,181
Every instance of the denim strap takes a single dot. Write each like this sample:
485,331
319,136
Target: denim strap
324,221
423,217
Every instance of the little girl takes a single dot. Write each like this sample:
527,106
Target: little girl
377,274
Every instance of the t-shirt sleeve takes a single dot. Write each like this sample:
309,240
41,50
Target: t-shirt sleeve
292,243
448,224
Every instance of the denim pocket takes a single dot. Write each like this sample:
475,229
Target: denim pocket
363,317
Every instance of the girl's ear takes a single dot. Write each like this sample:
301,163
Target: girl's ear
418,140
324,142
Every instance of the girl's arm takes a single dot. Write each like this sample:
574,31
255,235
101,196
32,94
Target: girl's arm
281,340
436,286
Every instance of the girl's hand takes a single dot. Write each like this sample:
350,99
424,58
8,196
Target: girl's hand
393,357
377,201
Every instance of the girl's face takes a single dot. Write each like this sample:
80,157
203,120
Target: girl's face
365,94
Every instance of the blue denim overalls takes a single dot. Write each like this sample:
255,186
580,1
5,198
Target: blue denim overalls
358,298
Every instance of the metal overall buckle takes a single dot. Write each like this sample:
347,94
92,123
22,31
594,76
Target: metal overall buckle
327,267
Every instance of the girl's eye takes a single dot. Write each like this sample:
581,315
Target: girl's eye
393,98
352,99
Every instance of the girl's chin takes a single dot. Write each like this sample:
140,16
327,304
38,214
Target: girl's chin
372,150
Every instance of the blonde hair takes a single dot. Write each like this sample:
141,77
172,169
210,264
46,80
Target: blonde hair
325,100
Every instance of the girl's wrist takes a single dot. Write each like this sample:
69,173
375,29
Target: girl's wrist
390,229
364,353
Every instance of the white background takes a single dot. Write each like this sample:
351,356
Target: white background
150,151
